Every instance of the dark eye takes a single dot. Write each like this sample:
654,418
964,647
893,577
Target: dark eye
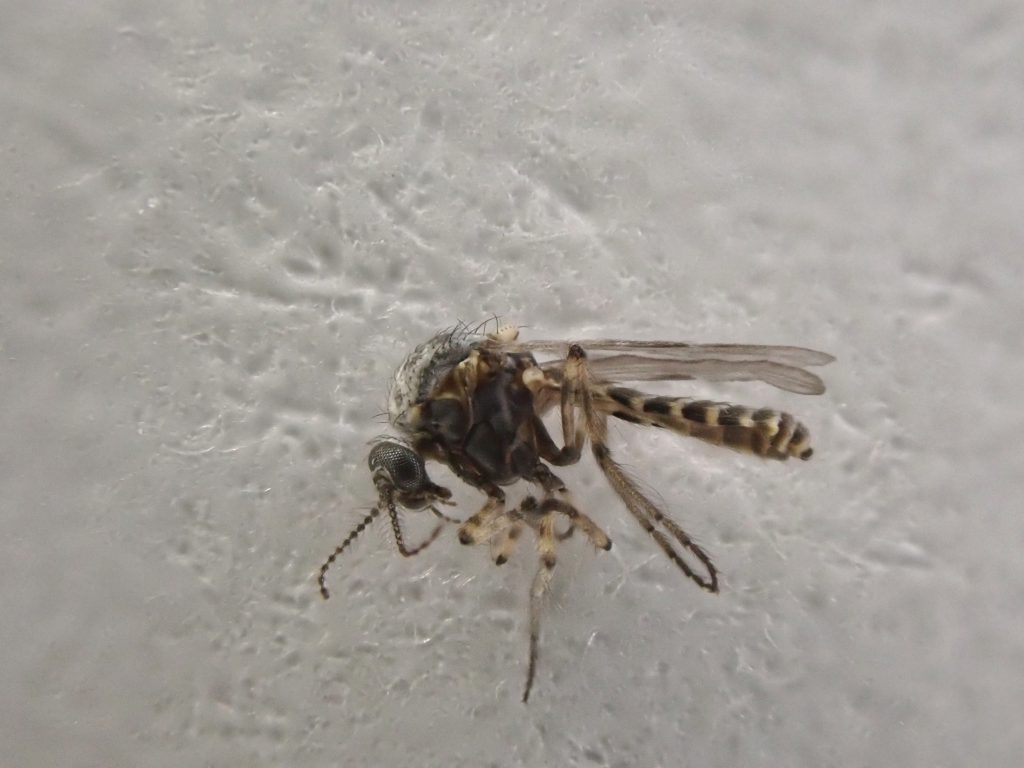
402,465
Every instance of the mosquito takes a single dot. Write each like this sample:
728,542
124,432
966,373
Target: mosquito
475,401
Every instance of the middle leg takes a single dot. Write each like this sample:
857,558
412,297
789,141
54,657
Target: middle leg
558,499
545,528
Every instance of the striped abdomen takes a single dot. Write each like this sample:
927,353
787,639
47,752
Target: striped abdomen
761,431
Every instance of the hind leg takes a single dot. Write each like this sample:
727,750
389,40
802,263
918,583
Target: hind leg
643,509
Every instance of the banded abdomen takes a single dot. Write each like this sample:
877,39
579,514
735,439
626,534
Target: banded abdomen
762,431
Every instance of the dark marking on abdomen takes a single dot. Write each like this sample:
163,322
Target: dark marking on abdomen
697,411
627,417
622,395
662,405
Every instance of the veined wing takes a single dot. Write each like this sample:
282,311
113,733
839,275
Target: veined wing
639,368
681,350
780,366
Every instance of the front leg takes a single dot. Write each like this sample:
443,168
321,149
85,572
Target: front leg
465,377
543,386
486,523
573,433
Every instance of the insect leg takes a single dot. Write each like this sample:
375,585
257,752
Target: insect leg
578,520
464,377
553,484
573,433
486,523
504,544
567,533
504,541
643,509
546,551
439,514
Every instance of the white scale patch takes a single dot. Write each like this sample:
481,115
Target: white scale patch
423,369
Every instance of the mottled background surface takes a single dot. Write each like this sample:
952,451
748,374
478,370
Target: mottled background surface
222,226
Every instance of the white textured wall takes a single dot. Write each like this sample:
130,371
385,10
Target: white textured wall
223,224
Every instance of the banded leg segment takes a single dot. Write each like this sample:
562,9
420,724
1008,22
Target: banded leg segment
573,434
442,516
541,580
503,529
643,509
503,546
558,499
486,523
579,520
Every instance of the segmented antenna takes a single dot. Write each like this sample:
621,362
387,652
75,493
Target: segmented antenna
341,548
396,527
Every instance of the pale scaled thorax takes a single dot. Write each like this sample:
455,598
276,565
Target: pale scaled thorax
430,362
424,369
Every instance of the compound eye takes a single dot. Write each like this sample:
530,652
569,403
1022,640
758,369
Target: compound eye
401,464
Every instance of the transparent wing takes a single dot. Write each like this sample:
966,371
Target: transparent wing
680,350
780,366
639,368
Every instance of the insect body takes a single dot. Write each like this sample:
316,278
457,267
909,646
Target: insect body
475,402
